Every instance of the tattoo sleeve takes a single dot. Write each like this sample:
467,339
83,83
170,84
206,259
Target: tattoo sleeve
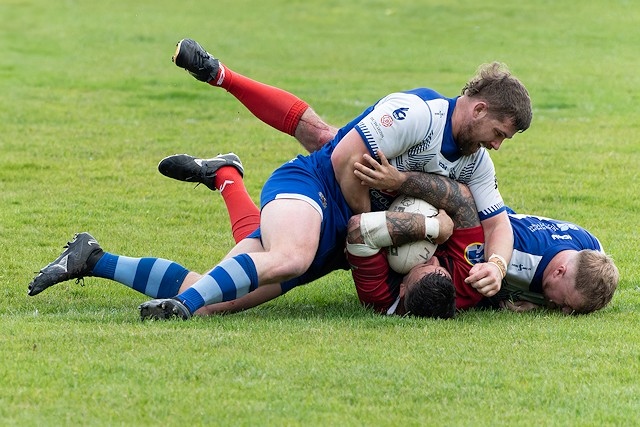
405,227
443,193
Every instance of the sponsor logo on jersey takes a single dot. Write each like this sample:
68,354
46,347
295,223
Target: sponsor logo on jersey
551,226
521,267
566,226
561,237
376,127
386,120
474,253
400,113
323,200
380,200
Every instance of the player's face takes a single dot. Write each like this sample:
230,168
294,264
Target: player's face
484,131
561,293
421,270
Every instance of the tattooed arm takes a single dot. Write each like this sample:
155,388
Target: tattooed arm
440,191
403,227
443,193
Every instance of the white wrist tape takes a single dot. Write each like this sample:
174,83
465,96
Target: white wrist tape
358,249
432,228
373,226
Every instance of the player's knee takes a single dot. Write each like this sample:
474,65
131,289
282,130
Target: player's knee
191,278
292,265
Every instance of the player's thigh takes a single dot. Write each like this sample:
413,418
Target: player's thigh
291,229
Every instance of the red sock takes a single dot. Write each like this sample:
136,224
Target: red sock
277,108
243,212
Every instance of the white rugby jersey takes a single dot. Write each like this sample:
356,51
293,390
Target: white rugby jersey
413,130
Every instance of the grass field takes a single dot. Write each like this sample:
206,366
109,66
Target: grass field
91,102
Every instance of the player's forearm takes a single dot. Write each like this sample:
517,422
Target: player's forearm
377,230
498,237
443,193
382,229
486,277
405,227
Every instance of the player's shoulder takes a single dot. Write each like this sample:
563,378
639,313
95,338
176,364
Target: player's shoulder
418,96
417,104
425,93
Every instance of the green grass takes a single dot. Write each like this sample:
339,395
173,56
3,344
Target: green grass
91,102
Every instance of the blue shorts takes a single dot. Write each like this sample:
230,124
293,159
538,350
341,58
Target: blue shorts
311,178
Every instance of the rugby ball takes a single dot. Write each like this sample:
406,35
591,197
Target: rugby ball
403,258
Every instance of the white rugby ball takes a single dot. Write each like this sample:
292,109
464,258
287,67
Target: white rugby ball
403,258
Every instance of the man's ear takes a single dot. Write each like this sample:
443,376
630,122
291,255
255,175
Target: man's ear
403,289
560,270
480,110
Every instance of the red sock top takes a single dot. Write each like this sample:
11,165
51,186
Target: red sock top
276,107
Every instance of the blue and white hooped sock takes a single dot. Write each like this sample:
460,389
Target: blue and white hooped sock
154,277
229,280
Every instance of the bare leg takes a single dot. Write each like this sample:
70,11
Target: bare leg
259,296
312,132
276,107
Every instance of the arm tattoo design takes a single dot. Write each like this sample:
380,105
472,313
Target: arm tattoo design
444,193
405,227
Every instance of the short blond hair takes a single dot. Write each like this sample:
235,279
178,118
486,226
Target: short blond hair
596,279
